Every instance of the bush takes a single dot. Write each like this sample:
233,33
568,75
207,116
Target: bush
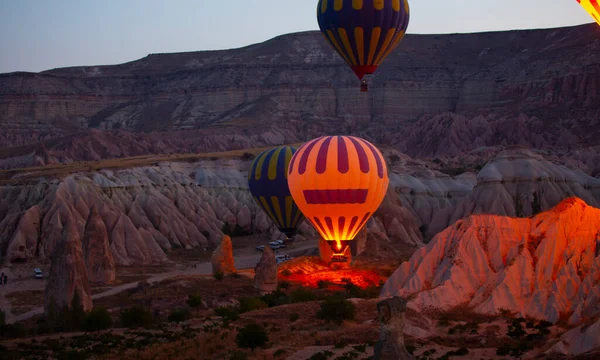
251,304
2,318
300,295
294,317
252,336
98,319
323,284
283,284
238,355
275,298
286,273
194,301
179,315
227,313
218,275
336,309
136,316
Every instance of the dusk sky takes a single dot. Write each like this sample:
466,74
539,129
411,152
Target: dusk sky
38,35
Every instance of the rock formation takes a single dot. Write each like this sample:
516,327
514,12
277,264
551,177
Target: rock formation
222,258
391,338
24,242
540,267
98,257
265,278
519,182
68,273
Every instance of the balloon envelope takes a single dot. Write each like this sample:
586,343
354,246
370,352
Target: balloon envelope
267,180
338,182
592,7
363,32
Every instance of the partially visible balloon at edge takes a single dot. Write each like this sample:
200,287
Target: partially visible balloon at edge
592,7
268,183
338,183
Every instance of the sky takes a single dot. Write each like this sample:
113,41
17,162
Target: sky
37,35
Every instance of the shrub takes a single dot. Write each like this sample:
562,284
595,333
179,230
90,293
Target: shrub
2,318
301,294
283,284
238,355
275,298
98,319
227,313
136,316
294,317
252,336
336,309
251,304
179,315
218,275
323,284
194,301
286,273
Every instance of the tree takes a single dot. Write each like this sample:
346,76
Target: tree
194,301
336,309
252,336
179,315
2,318
98,319
136,316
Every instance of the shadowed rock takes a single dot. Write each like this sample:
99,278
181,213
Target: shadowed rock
68,273
265,279
222,258
98,258
391,338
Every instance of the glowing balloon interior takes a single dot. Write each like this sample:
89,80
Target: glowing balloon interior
338,182
363,32
267,180
592,7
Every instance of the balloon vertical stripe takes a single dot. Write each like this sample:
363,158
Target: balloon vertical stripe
268,183
355,29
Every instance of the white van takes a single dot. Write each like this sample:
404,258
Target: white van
37,273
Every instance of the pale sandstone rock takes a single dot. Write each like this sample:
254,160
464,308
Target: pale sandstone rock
25,240
391,338
539,267
222,258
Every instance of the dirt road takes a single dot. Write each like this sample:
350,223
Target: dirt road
244,259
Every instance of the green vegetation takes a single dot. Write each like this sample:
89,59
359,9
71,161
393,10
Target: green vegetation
252,336
179,315
136,316
252,304
98,319
219,275
336,309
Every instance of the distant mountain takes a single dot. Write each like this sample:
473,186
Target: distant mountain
436,96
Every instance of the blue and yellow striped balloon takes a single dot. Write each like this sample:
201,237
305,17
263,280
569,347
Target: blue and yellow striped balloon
363,32
267,180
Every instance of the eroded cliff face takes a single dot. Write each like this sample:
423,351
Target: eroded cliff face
135,216
543,267
438,95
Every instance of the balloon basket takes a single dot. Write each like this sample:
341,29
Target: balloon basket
364,87
339,259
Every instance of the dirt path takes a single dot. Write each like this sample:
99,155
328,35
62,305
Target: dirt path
245,261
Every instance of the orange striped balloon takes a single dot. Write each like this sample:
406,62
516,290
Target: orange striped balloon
338,182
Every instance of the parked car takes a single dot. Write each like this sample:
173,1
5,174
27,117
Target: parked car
37,272
260,248
280,242
274,245
282,258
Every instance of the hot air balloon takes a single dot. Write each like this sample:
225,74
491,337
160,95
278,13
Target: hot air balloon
267,180
338,182
363,32
592,7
